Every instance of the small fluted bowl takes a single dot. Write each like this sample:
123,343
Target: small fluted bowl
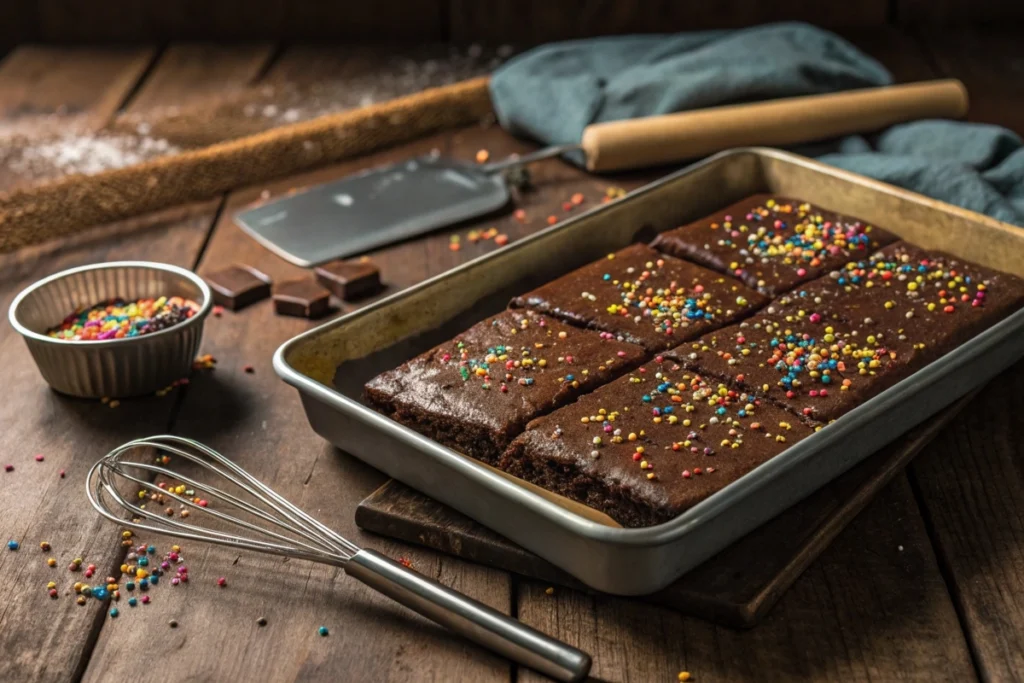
113,368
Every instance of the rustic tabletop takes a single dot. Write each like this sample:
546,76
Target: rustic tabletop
925,584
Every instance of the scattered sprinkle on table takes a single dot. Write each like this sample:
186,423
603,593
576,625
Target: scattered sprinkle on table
118,318
550,590
173,623
261,621
248,369
684,675
222,582
8,468
323,631
39,457
13,545
44,546
114,612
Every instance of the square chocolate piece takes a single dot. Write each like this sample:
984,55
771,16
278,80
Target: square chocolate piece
651,444
773,243
350,280
816,370
646,298
301,298
237,286
478,391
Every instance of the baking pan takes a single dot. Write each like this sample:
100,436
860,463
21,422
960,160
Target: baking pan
330,364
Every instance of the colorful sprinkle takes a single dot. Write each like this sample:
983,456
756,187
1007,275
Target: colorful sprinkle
118,319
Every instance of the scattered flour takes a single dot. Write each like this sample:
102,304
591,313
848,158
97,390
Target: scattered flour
80,153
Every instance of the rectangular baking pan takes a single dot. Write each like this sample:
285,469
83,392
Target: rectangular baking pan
330,364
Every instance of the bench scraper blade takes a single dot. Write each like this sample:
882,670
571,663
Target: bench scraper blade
374,208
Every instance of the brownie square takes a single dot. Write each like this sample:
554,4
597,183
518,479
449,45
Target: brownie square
478,391
651,444
773,243
930,297
818,371
645,298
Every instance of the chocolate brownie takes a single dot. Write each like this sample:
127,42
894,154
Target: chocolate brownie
773,243
645,298
479,390
929,296
651,444
816,371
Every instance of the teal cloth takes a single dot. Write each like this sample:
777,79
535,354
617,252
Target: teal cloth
551,93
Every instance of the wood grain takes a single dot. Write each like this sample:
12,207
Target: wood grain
990,62
44,639
258,421
225,20
971,484
537,21
187,73
737,588
958,12
849,617
45,87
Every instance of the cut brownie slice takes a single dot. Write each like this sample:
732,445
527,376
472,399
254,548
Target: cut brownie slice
773,243
652,444
816,371
479,390
645,298
930,297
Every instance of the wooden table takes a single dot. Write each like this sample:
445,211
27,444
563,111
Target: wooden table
926,584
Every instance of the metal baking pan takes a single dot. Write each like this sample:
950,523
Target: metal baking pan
330,364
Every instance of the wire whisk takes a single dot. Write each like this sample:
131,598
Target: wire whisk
266,522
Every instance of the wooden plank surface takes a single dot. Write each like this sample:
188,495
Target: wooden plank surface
187,73
971,483
737,587
51,639
45,87
958,12
237,20
536,21
258,421
990,62
873,607
44,639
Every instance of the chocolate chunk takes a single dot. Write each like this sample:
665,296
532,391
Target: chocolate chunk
301,298
237,286
350,280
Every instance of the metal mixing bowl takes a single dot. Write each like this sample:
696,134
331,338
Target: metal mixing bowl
115,367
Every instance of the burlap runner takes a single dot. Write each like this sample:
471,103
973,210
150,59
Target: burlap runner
64,206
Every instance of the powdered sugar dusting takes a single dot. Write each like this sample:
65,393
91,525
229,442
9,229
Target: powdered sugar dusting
80,153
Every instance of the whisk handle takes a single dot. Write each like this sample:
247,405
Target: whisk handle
469,618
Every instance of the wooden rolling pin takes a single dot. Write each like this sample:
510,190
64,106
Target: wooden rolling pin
654,140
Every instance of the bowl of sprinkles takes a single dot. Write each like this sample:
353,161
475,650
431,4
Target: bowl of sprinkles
113,330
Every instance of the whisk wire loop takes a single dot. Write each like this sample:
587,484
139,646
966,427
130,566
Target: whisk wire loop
290,532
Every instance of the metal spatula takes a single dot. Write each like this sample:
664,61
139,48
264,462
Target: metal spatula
392,203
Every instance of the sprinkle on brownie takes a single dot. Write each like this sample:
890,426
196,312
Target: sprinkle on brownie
479,390
652,443
815,371
930,296
644,297
773,243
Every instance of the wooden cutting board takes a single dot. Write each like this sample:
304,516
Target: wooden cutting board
735,588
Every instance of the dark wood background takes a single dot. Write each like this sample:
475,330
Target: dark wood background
460,21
